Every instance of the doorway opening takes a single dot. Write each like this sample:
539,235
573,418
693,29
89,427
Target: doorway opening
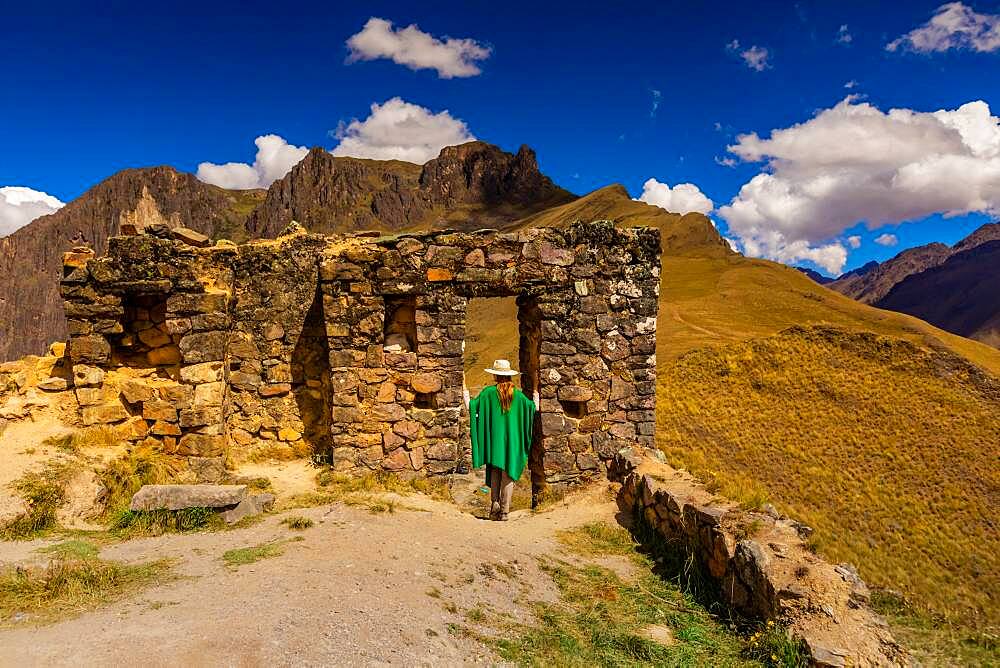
506,328
311,383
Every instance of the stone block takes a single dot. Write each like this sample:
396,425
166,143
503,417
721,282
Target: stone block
53,384
201,445
426,383
179,497
205,372
104,414
87,376
275,389
208,395
250,506
203,347
190,237
168,355
159,410
138,391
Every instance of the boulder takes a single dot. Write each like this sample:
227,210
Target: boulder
178,497
190,237
249,507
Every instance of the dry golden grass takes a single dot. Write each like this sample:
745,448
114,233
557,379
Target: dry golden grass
888,450
818,428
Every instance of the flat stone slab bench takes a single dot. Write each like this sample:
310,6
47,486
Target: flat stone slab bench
179,497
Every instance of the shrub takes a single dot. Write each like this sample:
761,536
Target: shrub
43,492
125,475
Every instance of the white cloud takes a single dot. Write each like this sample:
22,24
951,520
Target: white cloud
954,26
854,163
399,130
844,36
886,239
682,198
657,95
756,57
416,49
727,161
275,158
732,244
851,84
854,242
19,206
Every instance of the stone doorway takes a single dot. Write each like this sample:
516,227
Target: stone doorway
311,382
507,328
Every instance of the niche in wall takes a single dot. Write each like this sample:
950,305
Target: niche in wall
400,324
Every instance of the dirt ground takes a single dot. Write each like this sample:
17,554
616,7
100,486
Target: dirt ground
359,589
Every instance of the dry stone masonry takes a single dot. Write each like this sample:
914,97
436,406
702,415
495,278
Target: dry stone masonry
757,564
351,347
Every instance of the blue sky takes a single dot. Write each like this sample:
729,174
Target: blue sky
89,92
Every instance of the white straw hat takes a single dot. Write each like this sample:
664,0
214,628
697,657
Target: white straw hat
501,368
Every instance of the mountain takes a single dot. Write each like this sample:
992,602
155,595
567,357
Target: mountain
970,311
31,258
871,285
961,295
815,275
473,185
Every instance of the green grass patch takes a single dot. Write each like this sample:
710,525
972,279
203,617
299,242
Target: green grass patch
598,538
70,587
73,549
242,556
136,523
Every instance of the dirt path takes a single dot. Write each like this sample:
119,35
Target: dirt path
359,589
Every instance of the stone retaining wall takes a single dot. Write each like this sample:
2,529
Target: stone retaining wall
758,565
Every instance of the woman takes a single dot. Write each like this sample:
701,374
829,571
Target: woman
501,419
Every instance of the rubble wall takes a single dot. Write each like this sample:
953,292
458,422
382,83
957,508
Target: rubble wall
757,564
351,347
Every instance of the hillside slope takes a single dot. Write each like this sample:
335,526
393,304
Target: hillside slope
31,258
853,418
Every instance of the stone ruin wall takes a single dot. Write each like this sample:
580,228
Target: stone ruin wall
285,344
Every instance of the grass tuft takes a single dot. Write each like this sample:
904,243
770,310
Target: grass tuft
73,549
125,475
90,437
43,492
135,523
297,522
69,587
247,555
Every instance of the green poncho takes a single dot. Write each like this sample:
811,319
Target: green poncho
501,439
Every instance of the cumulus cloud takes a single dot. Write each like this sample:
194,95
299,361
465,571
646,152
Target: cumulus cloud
682,198
854,242
855,163
19,206
275,158
756,57
953,26
886,239
399,130
416,49
844,35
